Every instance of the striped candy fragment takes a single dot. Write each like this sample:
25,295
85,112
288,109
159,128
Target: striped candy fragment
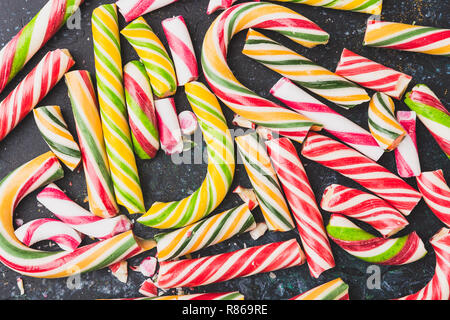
332,290
406,154
372,75
113,111
227,266
48,229
131,9
400,36
363,245
364,207
220,170
336,124
363,6
436,194
205,233
168,126
248,196
369,174
225,85
303,71
188,122
432,113
196,296
90,136
154,56
33,88
78,218
302,201
33,36
182,49
382,122
141,110
265,183
53,128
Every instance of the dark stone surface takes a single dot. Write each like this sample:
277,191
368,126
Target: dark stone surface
163,180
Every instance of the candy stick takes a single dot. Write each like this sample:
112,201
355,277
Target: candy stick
436,194
182,49
226,266
432,113
332,290
33,88
78,218
400,36
364,207
43,264
33,36
131,9
363,245
49,229
113,111
141,110
168,126
372,75
188,122
301,199
336,124
382,123
54,130
406,154
248,196
363,6
154,56
439,286
90,136
225,85
196,296
215,5
220,170
265,183
303,71
366,172
204,233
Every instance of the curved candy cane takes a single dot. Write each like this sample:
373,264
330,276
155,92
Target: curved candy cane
332,290
364,6
196,296
131,9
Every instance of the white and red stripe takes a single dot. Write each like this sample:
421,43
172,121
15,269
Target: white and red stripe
188,122
248,196
369,174
132,9
168,126
303,205
406,154
436,194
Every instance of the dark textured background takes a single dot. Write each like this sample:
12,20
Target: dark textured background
163,180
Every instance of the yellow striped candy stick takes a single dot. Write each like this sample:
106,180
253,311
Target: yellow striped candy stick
220,172
154,56
113,110
332,290
363,6
53,128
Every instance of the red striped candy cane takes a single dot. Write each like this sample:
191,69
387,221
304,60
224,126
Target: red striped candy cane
406,154
168,126
131,9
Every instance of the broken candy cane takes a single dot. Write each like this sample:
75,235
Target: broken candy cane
168,126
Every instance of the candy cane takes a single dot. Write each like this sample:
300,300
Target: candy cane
227,266
41,264
436,194
182,49
48,229
53,128
432,113
336,124
205,233
196,296
265,183
364,207
363,245
78,218
220,171
153,55
372,75
33,88
332,290
168,126
400,36
439,286
382,122
366,172
90,136
141,110
406,154
303,71
301,199
364,6
33,36
225,85
131,9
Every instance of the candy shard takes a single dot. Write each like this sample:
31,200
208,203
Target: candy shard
188,122
406,154
242,122
131,9
168,126
148,289
148,266
332,290
120,270
248,196
259,231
